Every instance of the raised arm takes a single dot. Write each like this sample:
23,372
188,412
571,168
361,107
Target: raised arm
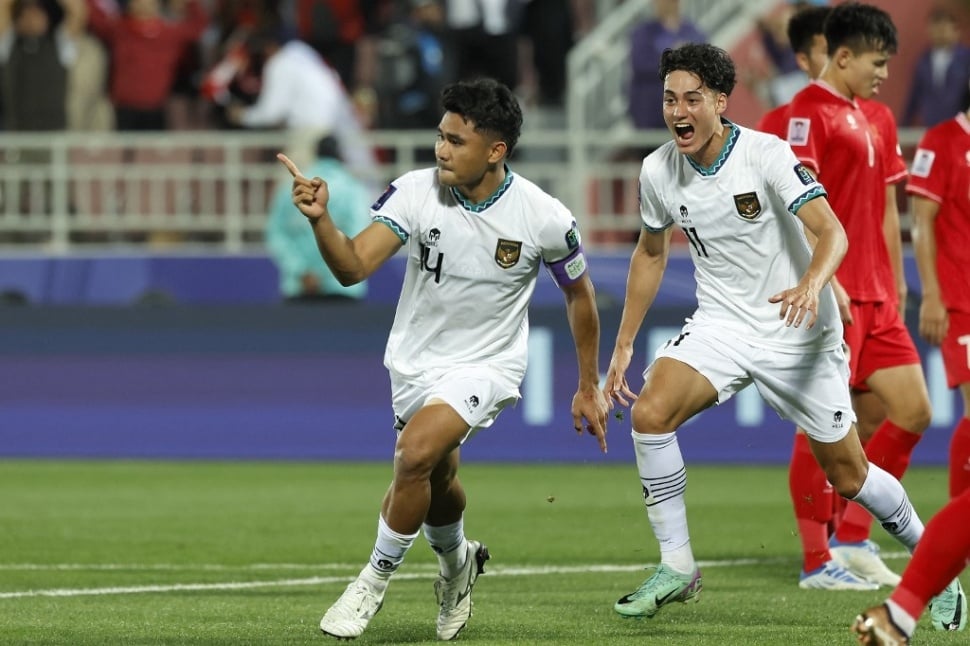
588,402
350,259
647,266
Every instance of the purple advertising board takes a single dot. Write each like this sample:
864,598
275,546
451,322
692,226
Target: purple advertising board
308,383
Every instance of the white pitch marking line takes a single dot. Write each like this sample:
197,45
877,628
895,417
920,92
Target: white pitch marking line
317,580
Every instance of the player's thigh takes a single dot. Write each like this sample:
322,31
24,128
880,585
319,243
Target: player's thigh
474,395
902,389
672,393
869,411
809,389
691,372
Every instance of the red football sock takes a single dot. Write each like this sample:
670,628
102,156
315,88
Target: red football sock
960,458
889,448
811,496
939,557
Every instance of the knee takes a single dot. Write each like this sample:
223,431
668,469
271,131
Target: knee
847,480
916,418
649,418
413,461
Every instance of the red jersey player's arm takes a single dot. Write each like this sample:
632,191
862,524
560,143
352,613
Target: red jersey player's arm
932,311
894,244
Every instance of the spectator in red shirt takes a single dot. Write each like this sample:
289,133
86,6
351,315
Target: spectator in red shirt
146,48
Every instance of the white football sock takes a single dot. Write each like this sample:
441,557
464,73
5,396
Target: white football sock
389,550
448,542
886,500
664,480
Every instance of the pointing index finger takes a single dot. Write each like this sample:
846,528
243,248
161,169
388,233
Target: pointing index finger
290,166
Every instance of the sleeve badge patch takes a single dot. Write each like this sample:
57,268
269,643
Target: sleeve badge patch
804,175
798,131
923,162
572,237
388,192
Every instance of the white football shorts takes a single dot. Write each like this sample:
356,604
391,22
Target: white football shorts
477,394
809,389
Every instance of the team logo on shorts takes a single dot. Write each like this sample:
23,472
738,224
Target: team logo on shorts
837,420
748,205
507,253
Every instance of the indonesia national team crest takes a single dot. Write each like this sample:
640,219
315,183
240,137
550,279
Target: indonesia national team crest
507,253
748,205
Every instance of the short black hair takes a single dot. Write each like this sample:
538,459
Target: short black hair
488,104
710,64
804,25
861,28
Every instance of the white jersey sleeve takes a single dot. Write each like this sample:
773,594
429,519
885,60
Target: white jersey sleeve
655,218
789,179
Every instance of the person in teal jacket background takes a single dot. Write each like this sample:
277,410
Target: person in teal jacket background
303,274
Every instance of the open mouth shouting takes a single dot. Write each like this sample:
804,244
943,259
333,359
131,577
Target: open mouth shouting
683,133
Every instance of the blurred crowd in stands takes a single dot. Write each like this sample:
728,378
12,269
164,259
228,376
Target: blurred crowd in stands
208,64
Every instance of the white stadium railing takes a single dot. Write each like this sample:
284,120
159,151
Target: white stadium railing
60,192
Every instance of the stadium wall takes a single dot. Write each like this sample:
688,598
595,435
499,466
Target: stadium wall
201,375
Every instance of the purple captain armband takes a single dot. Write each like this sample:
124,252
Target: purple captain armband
570,269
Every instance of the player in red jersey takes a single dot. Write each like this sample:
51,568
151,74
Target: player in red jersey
831,134
806,35
814,500
942,552
940,188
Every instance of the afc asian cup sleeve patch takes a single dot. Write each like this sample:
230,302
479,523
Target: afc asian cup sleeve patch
923,162
804,175
572,237
388,192
798,131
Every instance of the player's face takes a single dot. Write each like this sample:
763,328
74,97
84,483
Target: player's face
865,72
692,112
463,154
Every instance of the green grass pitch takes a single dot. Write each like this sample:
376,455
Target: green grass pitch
129,552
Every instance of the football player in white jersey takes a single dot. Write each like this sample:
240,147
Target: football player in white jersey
476,235
766,313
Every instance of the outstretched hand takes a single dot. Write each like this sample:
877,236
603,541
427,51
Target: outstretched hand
798,305
309,195
590,405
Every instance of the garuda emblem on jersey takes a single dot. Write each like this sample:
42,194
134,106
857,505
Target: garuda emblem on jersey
748,205
507,253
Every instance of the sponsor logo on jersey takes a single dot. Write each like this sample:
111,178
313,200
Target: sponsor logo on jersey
572,237
923,162
804,175
433,236
388,192
507,253
798,131
748,205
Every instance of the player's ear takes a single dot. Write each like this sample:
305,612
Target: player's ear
497,152
720,103
842,56
801,59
